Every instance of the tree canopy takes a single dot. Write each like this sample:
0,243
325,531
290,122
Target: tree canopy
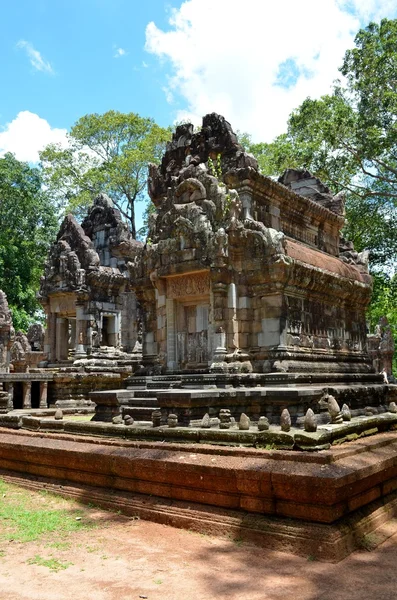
27,226
349,140
106,153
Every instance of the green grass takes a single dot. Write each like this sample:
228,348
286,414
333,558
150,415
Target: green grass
23,520
51,563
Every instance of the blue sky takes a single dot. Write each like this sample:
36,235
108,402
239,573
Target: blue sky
80,38
253,62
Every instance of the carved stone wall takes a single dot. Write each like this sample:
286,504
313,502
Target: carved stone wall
85,289
283,289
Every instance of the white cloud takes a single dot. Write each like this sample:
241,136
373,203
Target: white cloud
119,52
35,58
27,134
257,61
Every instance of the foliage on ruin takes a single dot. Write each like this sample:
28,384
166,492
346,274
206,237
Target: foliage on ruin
27,226
106,153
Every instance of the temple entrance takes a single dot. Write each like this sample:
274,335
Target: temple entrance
17,399
109,331
192,335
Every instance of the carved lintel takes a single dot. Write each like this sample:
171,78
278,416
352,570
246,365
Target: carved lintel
192,284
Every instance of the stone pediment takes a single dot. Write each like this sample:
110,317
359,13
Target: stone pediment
105,227
71,255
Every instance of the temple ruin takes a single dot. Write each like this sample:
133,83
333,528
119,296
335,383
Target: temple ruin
239,323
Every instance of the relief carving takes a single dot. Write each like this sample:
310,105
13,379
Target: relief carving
195,284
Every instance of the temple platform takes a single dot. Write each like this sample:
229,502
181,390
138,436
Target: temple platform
322,505
191,396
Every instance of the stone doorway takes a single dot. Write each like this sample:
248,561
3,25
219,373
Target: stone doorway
192,335
109,330
17,399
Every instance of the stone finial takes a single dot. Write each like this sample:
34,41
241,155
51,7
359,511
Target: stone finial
346,414
128,420
205,422
58,414
244,423
392,407
224,418
118,420
310,421
285,420
156,418
172,420
263,424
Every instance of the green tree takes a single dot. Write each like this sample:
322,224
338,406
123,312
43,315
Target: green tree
349,140
27,226
106,153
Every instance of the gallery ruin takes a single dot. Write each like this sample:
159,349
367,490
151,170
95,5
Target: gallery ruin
237,329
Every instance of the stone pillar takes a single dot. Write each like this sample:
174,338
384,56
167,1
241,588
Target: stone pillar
10,390
233,333
72,333
27,394
61,338
171,335
43,394
218,344
81,325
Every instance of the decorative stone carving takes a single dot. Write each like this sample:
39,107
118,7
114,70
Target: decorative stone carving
224,418
263,424
205,422
392,407
172,420
346,414
156,418
285,420
328,401
6,332
20,348
35,336
264,253
310,422
58,414
197,284
381,349
244,422
85,289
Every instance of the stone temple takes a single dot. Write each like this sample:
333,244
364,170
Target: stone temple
244,296
250,298
240,322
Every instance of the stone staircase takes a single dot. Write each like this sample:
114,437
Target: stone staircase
191,395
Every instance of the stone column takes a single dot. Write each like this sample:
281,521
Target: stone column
219,335
72,333
171,335
10,390
27,394
43,394
61,338
81,325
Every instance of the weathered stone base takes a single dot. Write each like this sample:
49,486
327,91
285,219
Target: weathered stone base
72,389
318,504
330,543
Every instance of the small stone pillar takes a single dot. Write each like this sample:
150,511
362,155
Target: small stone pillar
10,390
61,338
81,325
27,394
43,394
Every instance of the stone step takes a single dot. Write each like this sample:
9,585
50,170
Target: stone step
143,402
139,413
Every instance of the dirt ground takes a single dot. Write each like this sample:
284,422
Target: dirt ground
127,559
